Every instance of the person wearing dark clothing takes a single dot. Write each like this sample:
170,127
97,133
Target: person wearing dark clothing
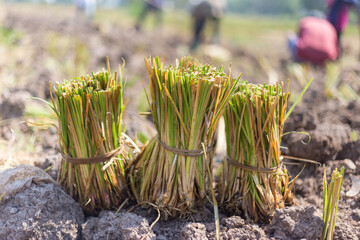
338,14
209,10
154,6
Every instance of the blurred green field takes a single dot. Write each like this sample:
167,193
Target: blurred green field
259,32
257,43
239,29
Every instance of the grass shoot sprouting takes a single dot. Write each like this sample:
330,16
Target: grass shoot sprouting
331,195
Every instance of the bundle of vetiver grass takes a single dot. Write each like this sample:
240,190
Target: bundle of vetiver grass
186,101
90,136
254,181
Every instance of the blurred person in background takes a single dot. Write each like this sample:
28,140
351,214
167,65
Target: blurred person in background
88,7
154,6
316,41
203,11
338,15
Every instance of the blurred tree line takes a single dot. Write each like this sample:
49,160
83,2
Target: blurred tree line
271,7
290,7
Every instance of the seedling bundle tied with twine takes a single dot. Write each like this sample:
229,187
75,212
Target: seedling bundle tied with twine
186,101
254,181
95,153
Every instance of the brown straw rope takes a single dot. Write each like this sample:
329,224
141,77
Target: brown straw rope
301,159
269,170
91,160
185,152
253,169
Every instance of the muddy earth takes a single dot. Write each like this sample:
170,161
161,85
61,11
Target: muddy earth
50,45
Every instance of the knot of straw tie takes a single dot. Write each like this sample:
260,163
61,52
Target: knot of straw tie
186,152
254,169
90,160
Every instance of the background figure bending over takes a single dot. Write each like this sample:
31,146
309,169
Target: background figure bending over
338,15
154,6
209,10
316,41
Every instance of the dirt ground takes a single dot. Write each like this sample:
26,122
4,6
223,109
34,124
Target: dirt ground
53,46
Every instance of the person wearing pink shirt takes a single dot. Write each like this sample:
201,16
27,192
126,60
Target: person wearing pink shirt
316,41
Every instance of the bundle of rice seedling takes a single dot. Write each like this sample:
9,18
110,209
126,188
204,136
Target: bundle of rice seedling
186,101
331,202
94,151
254,181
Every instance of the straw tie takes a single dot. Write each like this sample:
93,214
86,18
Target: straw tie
254,169
186,152
90,160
